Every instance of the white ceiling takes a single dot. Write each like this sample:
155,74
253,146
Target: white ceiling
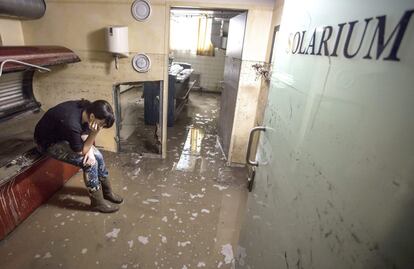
241,2
222,14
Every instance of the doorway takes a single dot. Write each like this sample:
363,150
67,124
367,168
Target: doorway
198,46
139,117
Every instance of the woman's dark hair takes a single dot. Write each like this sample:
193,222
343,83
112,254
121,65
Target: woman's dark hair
101,109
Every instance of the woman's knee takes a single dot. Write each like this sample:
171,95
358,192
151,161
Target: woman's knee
98,154
90,168
62,152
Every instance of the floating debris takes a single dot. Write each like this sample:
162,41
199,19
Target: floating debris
241,255
183,244
227,251
48,255
114,233
220,187
143,239
151,201
192,196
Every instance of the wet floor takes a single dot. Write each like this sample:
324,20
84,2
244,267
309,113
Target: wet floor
135,136
182,212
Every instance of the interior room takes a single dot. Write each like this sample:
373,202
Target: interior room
198,37
197,56
233,134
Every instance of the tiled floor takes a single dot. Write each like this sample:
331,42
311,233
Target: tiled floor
182,212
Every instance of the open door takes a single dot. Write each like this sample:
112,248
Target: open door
334,169
232,69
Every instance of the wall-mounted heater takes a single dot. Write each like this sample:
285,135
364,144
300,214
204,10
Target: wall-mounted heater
117,42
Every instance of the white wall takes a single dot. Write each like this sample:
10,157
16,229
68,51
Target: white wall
255,46
11,32
211,69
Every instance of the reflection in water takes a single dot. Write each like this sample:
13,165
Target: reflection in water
191,150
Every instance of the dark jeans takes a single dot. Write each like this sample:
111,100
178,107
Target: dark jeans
93,174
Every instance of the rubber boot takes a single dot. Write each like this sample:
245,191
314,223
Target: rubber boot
108,194
99,204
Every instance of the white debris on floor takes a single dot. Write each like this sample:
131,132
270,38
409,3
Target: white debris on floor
143,239
227,251
47,255
183,244
220,187
114,233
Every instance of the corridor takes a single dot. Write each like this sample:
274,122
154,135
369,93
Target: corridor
181,212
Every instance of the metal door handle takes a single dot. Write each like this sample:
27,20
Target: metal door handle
249,145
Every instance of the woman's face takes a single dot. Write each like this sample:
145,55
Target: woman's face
93,119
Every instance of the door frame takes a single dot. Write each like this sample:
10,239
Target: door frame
198,6
116,92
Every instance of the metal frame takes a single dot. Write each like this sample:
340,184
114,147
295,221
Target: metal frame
40,68
116,97
275,31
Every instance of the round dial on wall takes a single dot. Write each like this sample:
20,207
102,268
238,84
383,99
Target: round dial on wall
141,63
141,10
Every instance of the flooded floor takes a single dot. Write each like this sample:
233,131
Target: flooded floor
182,212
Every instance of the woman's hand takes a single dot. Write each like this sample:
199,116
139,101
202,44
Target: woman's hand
89,158
95,127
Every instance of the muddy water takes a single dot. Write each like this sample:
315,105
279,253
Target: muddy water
182,212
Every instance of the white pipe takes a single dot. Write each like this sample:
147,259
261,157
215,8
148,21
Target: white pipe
22,63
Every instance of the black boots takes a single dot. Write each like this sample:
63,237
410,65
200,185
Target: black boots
107,192
99,204
99,197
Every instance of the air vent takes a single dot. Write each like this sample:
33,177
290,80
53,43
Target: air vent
141,10
141,63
